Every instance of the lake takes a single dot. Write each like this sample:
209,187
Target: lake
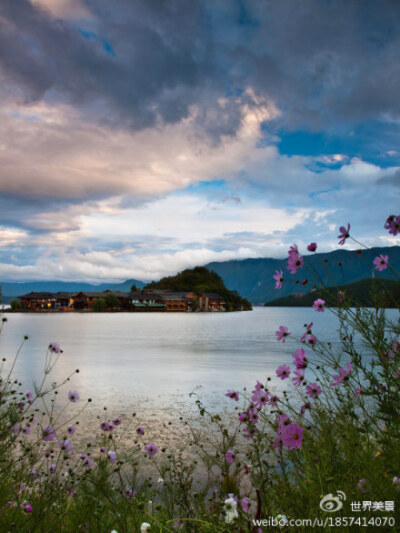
154,360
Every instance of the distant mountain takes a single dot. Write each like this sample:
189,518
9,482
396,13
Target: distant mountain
366,293
15,289
252,278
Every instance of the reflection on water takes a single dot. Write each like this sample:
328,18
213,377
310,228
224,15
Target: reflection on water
151,361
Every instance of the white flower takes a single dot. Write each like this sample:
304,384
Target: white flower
230,510
160,480
145,527
282,518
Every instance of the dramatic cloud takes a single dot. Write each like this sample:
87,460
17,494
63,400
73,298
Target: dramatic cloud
138,138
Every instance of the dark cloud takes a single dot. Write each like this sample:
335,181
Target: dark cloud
323,62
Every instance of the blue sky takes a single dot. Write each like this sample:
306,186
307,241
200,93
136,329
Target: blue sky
140,138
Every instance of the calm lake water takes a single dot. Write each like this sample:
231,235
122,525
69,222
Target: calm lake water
140,360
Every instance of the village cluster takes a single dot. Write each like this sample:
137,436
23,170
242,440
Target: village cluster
146,300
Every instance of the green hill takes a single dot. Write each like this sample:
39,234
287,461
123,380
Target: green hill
364,293
201,280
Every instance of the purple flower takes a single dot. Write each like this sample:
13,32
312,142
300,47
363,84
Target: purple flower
54,347
71,429
303,408
129,493
112,456
381,262
343,373
106,426
278,277
311,340
73,396
151,449
283,371
307,332
295,262
28,508
234,395
282,333
140,430
359,390
253,416
48,433
87,460
292,436
16,428
273,401
117,421
344,234
230,456
363,485
245,503
313,390
103,449
319,305
260,398
300,358
65,445
53,468
393,224
299,373
312,247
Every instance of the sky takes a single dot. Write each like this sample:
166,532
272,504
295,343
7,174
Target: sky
140,138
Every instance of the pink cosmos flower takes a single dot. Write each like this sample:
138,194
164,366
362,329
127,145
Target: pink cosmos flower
344,234
282,333
293,250
319,305
283,371
230,456
393,224
299,377
311,340
245,503
234,395
28,508
73,396
381,262
260,398
258,385
54,347
129,493
304,282
112,456
48,433
343,373
253,416
65,445
303,408
282,421
313,390
273,401
243,417
250,432
359,390
87,460
140,430
292,436
151,449
300,358
308,331
278,277
312,247
295,262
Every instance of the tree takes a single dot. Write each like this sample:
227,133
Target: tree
134,288
15,305
99,305
112,301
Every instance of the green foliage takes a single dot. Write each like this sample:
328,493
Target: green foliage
15,305
112,301
99,305
201,280
381,293
134,288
